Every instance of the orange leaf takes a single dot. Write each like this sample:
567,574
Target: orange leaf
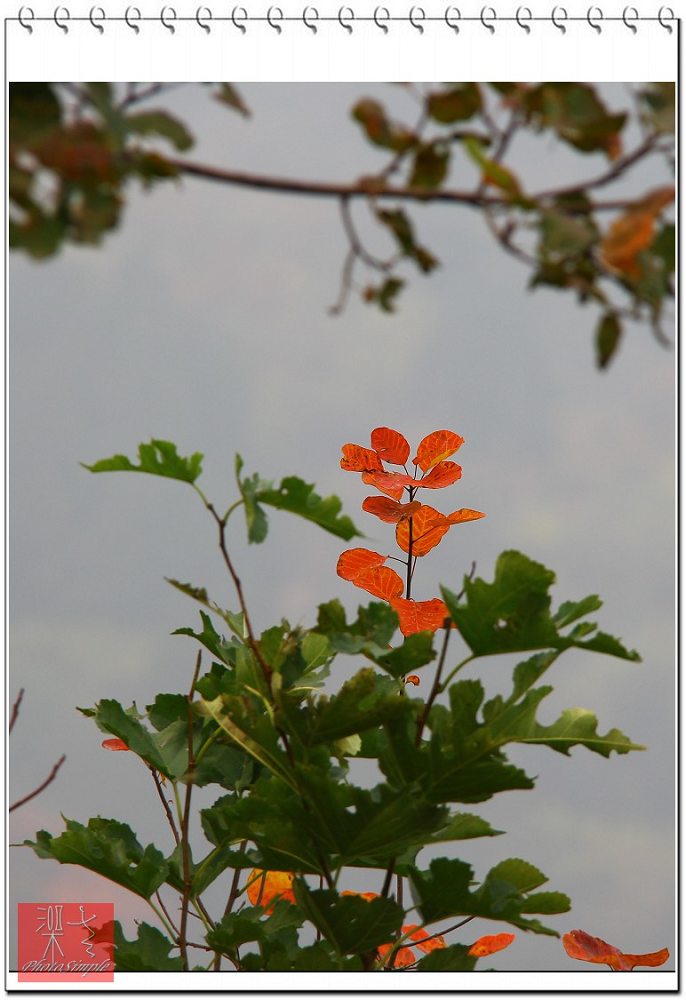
380,581
428,528
425,942
352,562
402,957
359,459
412,679
464,514
390,445
579,944
264,887
364,895
114,744
435,447
633,232
390,510
391,483
419,616
490,943
443,474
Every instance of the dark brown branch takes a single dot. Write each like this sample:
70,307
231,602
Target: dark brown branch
50,778
15,709
365,189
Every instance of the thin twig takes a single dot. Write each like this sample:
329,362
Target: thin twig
436,684
50,778
15,708
167,810
185,822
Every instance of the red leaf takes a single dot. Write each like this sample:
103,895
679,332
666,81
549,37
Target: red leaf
359,459
490,943
352,562
390,510
380,581
443,474
391,483
412,679
464,514
419,616
435,447
114,744
428,528
402,957
579,944
390,445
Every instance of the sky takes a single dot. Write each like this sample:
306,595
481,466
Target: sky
204,319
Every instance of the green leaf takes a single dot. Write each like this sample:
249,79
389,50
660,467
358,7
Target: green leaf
364,701
445,891
110,717
575,726
216,862
402,230
351,924
570,611
457,103
384,295
33,110
577,114
454,958
299,497
430,165
463,826
513,613
251,924
227,94
370,633
415,652
109,848
379,129
564,235
149,952
160,123
492,172
159,458
607,338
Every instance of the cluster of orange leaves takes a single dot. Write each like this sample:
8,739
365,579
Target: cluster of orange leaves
418,527
264,888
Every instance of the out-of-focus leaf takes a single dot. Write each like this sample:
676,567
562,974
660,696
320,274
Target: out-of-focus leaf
385,295
492,172
430,165
227,94
577,114
379,129
402,230
607,338
456,103
160,123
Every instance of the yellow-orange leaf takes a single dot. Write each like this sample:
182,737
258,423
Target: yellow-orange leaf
579,944
390,510
428,527
419,616
352,562
464,514
443,474
490,943
264,887
435,447
391,483
114,744
359,459
380,581
390,445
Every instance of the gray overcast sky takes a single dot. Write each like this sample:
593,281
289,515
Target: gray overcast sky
204,320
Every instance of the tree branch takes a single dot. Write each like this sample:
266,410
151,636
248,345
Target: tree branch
50,778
